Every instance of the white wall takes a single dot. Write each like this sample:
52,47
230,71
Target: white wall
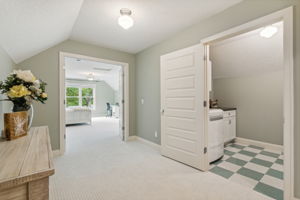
6,67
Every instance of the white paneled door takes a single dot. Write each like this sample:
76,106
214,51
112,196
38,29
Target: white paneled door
182,107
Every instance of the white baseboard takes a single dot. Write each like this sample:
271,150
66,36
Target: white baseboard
131,138
270,146
295,198
56,153
154,145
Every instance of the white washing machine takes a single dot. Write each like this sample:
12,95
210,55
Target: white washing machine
215,135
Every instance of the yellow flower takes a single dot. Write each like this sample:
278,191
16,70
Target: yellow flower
44,95
18,91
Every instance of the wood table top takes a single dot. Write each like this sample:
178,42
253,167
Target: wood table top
26,159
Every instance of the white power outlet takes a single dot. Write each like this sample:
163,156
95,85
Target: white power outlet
155,134
142,101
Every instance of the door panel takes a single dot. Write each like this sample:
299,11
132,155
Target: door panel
182,96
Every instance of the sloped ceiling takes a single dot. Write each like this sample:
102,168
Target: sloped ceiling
80,69
247,54
155,20
31,26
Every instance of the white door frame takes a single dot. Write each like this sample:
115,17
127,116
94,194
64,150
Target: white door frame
285,15
62,111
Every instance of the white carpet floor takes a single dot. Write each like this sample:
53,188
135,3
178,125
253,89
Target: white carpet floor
99,166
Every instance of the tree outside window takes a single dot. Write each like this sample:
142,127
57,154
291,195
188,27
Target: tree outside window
72,96
80,96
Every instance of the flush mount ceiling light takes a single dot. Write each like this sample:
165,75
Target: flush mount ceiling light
90,76
125,20
268,31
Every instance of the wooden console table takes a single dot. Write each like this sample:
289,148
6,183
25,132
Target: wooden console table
25,166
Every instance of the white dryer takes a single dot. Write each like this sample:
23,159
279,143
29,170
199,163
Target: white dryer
215,135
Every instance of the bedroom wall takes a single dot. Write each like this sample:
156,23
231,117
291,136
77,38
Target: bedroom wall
45,65
148,64
6,67
104,93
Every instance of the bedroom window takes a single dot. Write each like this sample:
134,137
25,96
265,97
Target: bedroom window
80,96
72,96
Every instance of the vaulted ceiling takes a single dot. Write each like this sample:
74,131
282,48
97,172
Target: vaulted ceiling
31,26
247,54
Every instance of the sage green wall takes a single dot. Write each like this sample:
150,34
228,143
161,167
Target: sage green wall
6,67
147,64
104,93
45,65
259,103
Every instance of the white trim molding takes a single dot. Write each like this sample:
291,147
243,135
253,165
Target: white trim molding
148,142
265,145
56,153
62,80
286,16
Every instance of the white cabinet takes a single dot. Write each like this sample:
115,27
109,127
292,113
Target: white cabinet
229,125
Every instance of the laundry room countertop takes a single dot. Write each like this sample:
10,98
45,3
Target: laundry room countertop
225,108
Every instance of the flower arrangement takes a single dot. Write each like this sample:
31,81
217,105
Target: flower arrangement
22,88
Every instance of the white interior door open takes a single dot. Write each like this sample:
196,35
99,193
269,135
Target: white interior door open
182,107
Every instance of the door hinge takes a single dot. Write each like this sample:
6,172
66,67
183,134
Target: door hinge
64,136
204,58
204,103
123,128
123,101
205,150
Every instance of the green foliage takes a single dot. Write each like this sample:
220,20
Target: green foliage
72,92
72,101
87,92
73,97
87,101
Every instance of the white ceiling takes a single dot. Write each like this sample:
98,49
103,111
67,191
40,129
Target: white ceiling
247,54
31,26
80,69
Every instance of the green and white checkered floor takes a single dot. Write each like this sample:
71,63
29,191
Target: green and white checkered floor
255,167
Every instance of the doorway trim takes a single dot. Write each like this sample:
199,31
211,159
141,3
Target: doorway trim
285,15
62,112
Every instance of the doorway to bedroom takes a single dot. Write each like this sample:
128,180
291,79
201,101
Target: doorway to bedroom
93,100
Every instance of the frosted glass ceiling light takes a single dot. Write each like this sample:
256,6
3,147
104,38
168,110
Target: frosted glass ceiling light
90,76
125,19
268,31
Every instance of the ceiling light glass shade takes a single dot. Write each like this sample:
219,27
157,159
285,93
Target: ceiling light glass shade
125,20
90,77
268,31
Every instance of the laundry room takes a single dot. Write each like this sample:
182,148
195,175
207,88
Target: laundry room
245,119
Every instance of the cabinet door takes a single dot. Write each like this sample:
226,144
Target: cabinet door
232,128
226,129
229,129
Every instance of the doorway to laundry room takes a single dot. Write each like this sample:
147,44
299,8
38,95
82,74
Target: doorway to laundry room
227,105
245,118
